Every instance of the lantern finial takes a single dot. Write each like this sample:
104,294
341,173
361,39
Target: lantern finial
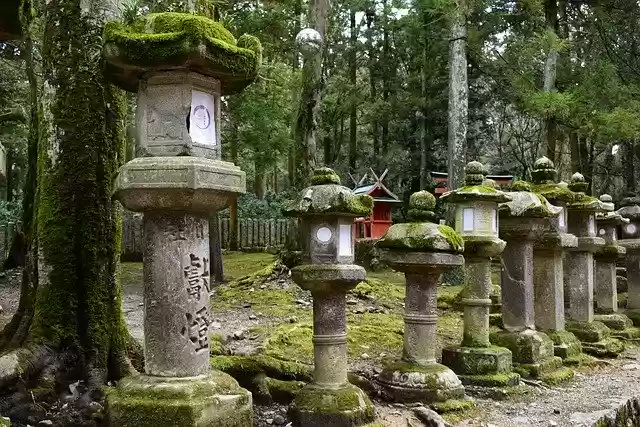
421,205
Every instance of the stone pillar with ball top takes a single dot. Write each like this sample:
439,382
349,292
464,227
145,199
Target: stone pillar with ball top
523,220
579,272
548,265
326,211
630,233
606,288
476,361
422,250
179,65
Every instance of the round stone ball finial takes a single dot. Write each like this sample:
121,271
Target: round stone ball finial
324,176
308,42
520,185
578,183
475,173
544,171
421,206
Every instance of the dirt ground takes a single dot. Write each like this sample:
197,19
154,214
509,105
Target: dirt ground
580,402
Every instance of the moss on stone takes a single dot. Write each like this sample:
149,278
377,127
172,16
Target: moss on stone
250,366
558,376
168,40
422,236
345,406
323,176
452,405
475,193
329,199
554,192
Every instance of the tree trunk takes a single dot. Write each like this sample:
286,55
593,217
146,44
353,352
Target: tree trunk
293,148
422,113
353,114
549,126
373,96
628,166
9,165
215,249
458,97
574,145
307,121
259,182
15,332
78,300
233,207
386,87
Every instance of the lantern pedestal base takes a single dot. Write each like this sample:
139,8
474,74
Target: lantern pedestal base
565,344
486,366
407,382
621,326
346,406
532,352
214,400
596,338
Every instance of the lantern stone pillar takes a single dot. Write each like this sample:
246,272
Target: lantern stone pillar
548,264
422,251
523,220
326,211
178,183
476,361
630,233
595,336
606,287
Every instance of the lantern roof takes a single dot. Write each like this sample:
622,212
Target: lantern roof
179,41
476,188
421,234
377,190
526,204
544,177
583,202
630,207
610,216
327,197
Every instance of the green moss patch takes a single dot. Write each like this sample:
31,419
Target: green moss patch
169,40
422,236
558,376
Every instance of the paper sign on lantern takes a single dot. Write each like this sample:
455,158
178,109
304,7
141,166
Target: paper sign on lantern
202,121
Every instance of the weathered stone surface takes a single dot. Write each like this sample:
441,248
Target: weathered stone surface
328,277
422,236
633,275
565,344
528,204
176,294
183,184
527,347
477,360
345,406
589,332
548,288
579,266
407,382
420,262
209,400
517,286
614,321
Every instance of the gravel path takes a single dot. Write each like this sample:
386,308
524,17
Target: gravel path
592,394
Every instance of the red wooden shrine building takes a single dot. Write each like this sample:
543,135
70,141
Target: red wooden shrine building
374,226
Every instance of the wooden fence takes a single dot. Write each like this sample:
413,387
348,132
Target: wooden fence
253,234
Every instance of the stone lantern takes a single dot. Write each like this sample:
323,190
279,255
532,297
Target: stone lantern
523,220
630,233
476,360
326,211
422,251
595,336
548,265
606,288
180,65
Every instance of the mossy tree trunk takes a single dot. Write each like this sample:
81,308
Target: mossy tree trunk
77,315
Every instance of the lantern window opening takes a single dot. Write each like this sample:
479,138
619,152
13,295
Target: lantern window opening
345,240
467,219
323,234
202,119
561,222
494,220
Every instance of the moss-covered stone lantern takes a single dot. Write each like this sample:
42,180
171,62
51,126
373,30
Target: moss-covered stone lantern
326,211
630,233
548,266
606,287
579,271
422,251
180,65
476,360
523,220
